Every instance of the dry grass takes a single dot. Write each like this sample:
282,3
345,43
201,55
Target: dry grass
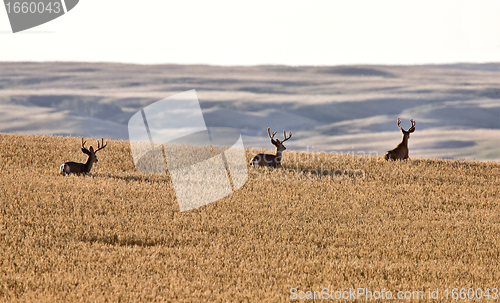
117,235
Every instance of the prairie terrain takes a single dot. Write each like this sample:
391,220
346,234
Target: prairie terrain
116,235
338,108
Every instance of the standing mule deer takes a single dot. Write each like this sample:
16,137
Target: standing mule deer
401,151
77,168
268,159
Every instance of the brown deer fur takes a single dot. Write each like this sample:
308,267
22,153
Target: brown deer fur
268,159
77,168
401,151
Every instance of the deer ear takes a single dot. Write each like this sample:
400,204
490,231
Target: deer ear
91,149
85,151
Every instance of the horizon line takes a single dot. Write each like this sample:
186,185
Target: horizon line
257,65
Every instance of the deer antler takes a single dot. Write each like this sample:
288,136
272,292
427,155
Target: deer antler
412,128
101,146
84,149
284,136
271,137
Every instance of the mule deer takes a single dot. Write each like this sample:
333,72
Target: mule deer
401,151
268,159
77,168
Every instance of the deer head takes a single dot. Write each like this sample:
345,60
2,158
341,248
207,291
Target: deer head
406,133
279,144
90,152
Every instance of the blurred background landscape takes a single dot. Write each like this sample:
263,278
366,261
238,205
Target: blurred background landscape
350,108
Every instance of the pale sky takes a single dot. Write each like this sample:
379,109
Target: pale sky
263,32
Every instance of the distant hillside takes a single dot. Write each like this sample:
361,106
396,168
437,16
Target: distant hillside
339,108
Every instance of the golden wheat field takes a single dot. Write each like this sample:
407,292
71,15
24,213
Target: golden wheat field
117,235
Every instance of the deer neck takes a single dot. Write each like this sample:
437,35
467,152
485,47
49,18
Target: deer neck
404,141
279,154
88,164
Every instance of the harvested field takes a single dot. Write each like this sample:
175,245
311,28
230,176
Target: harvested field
333,221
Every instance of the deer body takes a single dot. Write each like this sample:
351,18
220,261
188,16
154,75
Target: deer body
401,151
268,159
77,168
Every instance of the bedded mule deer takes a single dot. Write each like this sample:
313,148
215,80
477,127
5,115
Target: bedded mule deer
401,151
77,168
268,159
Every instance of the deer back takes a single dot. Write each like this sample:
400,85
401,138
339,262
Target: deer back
398,153
75,167
266,160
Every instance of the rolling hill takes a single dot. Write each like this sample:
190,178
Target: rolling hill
331,109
